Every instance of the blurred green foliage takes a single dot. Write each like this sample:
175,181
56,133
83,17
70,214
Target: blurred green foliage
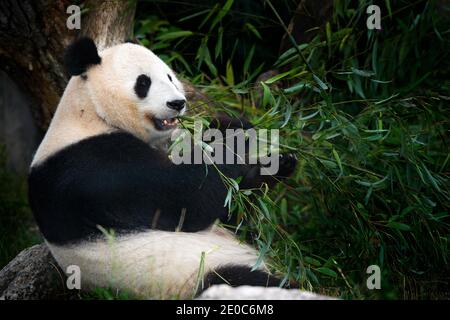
367,113
17,230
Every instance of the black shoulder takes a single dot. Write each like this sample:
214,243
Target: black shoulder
105,148
119,182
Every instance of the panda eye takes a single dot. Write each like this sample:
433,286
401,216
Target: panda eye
142,85
170,78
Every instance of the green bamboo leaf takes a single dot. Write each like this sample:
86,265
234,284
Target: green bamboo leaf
264,208
433,181
288,53
229,74
218,49
327,272
228,198
194,15
284,209
280,76
320,82
267,95
398,226
309,116
252,28
222,13
387,99
235,183
262,253
248,60
380,81
239,90
211,12
312,261
388,6
174,35
287,115
338,161
180,58
363,73
329,164
297,87
205,56
358,87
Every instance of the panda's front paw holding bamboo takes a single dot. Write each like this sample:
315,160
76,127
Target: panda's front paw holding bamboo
270,173
287,165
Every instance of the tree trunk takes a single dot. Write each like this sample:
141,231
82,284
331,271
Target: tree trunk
33,35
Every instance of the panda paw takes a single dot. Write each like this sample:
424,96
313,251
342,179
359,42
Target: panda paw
287,164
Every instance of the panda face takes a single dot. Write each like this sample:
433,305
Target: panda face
134,90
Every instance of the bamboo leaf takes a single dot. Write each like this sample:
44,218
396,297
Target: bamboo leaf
174,35
398,226
229,74
253,30
222,13
327,272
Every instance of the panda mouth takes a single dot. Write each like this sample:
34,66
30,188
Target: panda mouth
165,124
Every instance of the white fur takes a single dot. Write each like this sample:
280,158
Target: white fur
154,264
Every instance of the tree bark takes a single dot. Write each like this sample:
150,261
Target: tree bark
33,35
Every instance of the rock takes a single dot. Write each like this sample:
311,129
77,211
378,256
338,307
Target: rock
33,275
225,292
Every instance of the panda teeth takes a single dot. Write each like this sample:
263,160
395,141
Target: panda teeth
169,122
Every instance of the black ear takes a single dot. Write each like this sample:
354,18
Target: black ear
81,54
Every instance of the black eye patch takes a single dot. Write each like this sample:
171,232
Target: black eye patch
170,78
142,85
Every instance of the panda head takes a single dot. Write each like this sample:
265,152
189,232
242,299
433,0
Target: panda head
130,87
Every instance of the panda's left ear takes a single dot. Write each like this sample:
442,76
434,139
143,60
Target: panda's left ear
80,55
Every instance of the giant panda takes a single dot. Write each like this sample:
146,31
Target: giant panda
107,198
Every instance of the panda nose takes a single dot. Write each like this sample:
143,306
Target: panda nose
176,104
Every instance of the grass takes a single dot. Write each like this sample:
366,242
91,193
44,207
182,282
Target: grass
17,229
367,114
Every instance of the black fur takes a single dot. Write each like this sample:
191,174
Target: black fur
142,85
80,55
235,275
119,182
